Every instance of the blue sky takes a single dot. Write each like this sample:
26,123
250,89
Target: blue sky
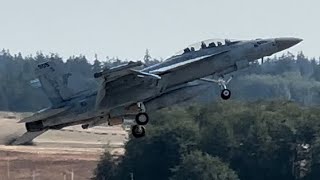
125,28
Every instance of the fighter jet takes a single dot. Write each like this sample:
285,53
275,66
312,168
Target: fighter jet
127,91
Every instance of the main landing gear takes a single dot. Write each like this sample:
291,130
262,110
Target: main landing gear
138,131
141,119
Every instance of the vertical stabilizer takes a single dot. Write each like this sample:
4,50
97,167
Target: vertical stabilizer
53,82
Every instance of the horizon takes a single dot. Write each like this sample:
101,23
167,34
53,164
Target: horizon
91,60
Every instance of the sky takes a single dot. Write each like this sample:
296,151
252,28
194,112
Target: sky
126,28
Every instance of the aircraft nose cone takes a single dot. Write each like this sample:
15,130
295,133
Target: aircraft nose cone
285,43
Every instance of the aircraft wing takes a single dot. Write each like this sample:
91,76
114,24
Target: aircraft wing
124,70
118,71
27,137
183,64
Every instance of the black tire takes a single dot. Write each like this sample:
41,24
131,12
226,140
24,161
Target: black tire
85,126
138,131
142,119
225,94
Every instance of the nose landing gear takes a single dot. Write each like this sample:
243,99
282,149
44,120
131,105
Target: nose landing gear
225,92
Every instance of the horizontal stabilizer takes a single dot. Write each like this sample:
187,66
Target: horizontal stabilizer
27,137
44,114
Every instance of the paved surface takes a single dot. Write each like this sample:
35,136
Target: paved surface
57,153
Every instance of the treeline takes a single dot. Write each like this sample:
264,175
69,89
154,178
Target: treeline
286,77
230,140
17,71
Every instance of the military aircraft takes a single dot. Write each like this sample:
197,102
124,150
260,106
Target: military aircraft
128,91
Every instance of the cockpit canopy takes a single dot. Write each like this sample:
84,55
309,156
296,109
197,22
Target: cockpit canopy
210,43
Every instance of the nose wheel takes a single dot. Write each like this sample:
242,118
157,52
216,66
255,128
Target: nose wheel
138,131
225,94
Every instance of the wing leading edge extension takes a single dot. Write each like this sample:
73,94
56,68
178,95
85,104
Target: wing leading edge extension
183,64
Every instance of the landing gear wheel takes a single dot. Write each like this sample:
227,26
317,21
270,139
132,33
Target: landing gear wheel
138,131
34,126
85,126
142,119
225,94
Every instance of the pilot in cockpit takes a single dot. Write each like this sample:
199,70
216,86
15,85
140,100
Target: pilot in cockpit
212,45
227,41
203,45
186,50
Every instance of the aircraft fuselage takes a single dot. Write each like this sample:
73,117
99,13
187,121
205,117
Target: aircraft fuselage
222,59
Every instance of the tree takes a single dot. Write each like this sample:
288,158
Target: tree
148,60
96,67
147,57
153,156
106,168
202,166
256,139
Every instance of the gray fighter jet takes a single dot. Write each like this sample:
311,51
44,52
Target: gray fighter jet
127,91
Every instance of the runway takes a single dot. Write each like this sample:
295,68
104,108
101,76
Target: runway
56,153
